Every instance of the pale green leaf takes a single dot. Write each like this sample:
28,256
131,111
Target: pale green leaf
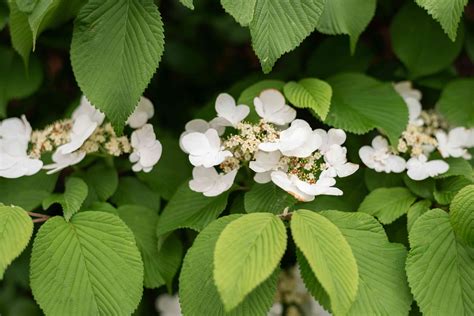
423,188
440,267
329,256
188,4
387,204
447,188
462,215
189,209
457,167
279,26
102,181
116,47
310,93
241,10
16,228
88,266
349,17
197,292
447,12
71,200
130,190
142,222
456,103
415,36
247,252
415,211
267,198
360,104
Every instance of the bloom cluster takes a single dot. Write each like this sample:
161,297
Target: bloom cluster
70,140
425,133
278,148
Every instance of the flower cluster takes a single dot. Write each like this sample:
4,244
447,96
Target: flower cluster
70,140
279,148
425,133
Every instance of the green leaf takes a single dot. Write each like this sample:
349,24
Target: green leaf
440,266
267,198
447,12
415,211
20,33
16,82
349,17
16,228
424,188
102,207
470,45
447,188
383,287
415,36
462,215
169,257
142,222
247,252
116,47
132,191
71,200
375,180
188,4
50,13
4,12
361,103
456,103
189,209
310,93
102,181
241,10
329,256
27,192
89,266
279,26
197,292
387,204
174,168
247,96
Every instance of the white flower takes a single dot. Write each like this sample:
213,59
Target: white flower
454,143
61,161
211,183
420,168
378,157
470,138
270,105
204,148
332,137
405,90
146,149
412,99
168,305
143,112
302,190
228,113
86,108
15,134
276,310
299,140
82,128
200,126
336,162
264,164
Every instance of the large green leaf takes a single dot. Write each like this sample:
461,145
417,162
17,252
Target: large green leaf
440,266
142,222
415,36
102,181
20,33
27,192
279,26
116,47
456,103
447,188
4,12
170,255
462,215
130,190
197,291
16,82
330,257
88,266
457,167
189,209
267,198
247,252
241,10
387,204
383,287
361,103
374,180
447,12
16,228
310,93
415,211
349,17
71,200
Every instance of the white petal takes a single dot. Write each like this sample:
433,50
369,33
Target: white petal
336,136
437,167
366,154
143,111
395,164
225,105
379,143
262,177
197,125
346,169
196,143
